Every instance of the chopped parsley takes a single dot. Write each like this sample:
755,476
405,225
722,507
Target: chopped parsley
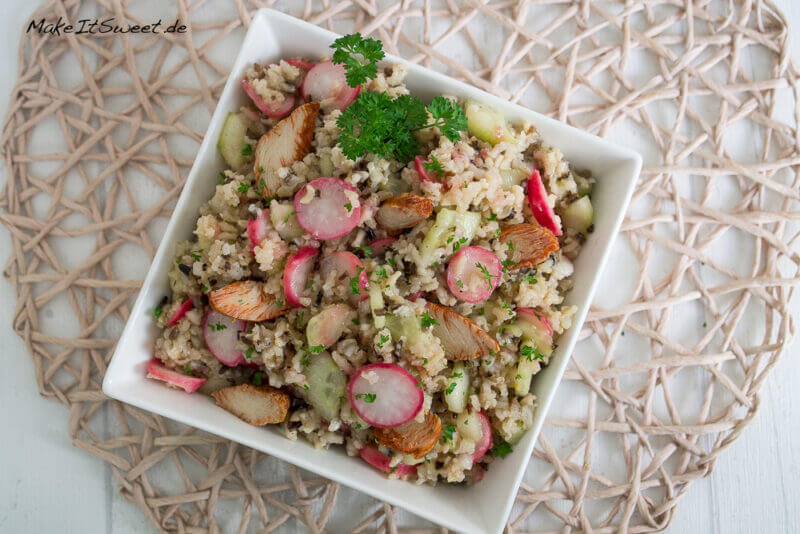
222,178
247,149
381,272
460,284
187,369
348,207
531,353
219,326
428,321
434,166
316,349
492,216
510,246
368,397
354,289
243,188
382,342
457,244
531,279
502,449
257,378
249,353
448,432
486,274
450,388
157,312
305,360
195,254
367,250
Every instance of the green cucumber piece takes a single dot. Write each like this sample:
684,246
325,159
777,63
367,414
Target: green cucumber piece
285,221
327,386
466,224
579,215
457,391
487,124
232,142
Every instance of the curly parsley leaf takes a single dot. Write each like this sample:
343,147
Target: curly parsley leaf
434,166
502,449
448,117
359,56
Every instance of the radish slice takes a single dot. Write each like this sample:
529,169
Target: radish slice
385,395
276,109
380,461
537,199
423,172
485,443
221,334
180,312
379,246
326,81
157,370
348,266
300,63
326,327
257,230
296,273
327,208
473,273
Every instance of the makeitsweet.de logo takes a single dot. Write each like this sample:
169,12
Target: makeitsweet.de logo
101,27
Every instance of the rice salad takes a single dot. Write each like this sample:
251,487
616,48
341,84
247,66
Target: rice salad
391,290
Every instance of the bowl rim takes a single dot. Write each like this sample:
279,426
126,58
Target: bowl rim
117,389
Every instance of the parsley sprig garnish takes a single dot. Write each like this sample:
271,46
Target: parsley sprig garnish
434,166
347,51
378,123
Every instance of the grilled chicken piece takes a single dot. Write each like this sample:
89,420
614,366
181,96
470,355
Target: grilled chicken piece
287,142
246,300
531,244
257,405
461,338
412,438
403,211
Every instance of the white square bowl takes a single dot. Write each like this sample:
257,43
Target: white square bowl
482,508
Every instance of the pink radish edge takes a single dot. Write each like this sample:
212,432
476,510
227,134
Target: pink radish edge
257,229
296,273
537,199
379,246
221,342
300,63
158,371
423,172
542,318
380,461
485,442
466,279
397,397
325,215
275,110
326,81
180,313
348,264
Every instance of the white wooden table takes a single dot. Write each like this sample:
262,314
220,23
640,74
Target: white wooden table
47,485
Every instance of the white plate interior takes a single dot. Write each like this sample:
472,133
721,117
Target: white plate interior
482,508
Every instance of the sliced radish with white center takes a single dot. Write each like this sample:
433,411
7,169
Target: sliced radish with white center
424,175
385,395
379,246
473,273
157,370
350,270
221,334
296,275
327,208
300,63
537,199
326,327
257,229
275,109
326,81
380,461
180,313
485,442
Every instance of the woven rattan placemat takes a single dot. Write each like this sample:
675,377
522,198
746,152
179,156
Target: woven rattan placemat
712,236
